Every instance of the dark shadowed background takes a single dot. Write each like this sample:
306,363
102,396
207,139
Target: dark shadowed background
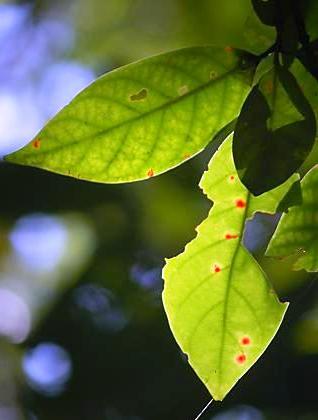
83,331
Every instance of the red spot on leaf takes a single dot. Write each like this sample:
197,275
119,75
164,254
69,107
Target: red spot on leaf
240,203
246,341
230,236
240,359
150,173
232,177
216,268
36,144
228,49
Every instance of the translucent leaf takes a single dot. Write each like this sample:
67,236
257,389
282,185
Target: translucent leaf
297,231
173,23
231,23
221,308
276,120
142,119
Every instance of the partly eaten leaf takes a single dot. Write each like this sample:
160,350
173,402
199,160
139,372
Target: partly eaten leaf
221,309
297,231
142,119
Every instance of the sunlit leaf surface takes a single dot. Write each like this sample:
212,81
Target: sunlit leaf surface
221,309
144,118
297,231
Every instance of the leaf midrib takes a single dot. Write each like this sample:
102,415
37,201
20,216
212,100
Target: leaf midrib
228,289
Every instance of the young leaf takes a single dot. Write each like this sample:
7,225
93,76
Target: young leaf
276,120
142,119
221,309
297,231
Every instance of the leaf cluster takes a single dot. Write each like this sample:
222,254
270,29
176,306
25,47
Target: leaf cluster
147,117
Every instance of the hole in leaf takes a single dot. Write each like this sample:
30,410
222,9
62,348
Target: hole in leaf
140,96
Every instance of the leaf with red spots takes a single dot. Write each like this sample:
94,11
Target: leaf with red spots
144,118
220,306
297,231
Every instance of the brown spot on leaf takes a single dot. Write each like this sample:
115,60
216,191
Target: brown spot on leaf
183,90
36,143
150,173
228,49
269,86
139,96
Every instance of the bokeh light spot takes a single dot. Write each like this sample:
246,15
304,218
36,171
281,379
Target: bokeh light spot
15,317
39,241
47,368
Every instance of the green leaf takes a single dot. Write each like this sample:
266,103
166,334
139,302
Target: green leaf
221,309
308,84
230,23
297,231
310,10
276,120
142,119
173,23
